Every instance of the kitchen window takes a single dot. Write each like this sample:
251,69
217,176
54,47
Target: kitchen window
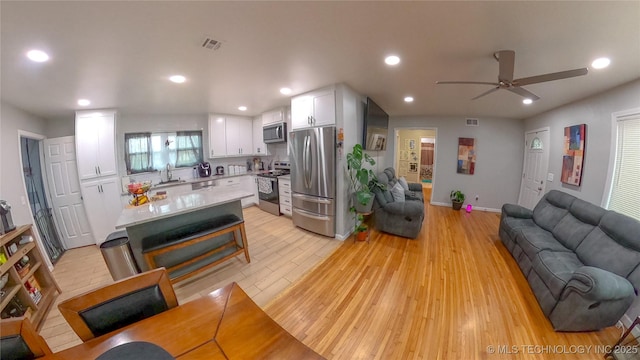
146,152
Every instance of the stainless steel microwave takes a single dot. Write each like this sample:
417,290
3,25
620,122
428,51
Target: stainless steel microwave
274,133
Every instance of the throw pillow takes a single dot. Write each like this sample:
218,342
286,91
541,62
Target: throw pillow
404,183
397,191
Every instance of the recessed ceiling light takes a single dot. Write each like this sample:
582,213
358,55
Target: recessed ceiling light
37,56
601,63
84,102
527,101
178,79
392,60
408,99
242,108
285,91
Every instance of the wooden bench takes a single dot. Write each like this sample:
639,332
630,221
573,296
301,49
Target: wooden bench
212,233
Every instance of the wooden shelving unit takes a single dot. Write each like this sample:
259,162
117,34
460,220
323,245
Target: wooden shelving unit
21,287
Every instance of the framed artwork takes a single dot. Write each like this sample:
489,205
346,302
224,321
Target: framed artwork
466,156
404,155
573,154
413,167
412,144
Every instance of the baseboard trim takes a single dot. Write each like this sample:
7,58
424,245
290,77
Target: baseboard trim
474,208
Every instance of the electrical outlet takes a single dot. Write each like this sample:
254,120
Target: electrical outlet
477,197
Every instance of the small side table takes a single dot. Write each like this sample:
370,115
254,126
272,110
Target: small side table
366,220
627,346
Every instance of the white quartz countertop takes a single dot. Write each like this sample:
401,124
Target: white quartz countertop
177,204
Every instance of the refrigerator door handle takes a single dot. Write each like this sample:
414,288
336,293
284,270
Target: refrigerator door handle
312,199
311,215
305,162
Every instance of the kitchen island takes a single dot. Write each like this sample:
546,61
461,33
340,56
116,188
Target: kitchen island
180,211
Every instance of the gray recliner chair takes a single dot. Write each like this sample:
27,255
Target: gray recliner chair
403,218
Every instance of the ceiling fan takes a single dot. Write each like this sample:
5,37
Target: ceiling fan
506,60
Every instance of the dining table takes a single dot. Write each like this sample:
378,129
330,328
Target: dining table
224,324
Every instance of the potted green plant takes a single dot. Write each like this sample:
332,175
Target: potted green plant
360,177
457,199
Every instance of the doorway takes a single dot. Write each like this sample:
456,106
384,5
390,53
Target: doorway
32,171
536,165
415,155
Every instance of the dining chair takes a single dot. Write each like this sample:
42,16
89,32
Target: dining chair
124,302
20,341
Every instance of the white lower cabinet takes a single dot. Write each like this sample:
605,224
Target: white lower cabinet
103,206
284,192
246,183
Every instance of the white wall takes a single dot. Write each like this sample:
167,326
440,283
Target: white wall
11,185
596,113
499,146
61,127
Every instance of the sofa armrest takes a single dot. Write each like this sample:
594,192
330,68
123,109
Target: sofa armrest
517,211
406,208
597,284
415,187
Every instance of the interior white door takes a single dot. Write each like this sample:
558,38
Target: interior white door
535,168
64,187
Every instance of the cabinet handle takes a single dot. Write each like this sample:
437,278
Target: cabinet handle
95,168
99,171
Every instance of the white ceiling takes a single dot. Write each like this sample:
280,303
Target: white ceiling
119,54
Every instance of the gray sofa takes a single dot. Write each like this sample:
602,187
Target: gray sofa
582,261
395,217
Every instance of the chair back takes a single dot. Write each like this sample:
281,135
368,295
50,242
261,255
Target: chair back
20,341
120,304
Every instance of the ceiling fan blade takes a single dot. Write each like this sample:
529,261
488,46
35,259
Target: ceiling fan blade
486,93
467,82
507,59
550,77
524,93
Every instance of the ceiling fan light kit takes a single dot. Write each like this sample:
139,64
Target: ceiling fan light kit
506,65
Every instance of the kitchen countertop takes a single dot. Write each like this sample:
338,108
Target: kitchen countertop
179,203
202,179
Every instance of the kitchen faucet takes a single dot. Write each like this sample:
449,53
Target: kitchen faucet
169,175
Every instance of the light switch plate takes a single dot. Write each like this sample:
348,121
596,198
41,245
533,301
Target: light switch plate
550,177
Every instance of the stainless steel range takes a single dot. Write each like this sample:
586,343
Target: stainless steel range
268,187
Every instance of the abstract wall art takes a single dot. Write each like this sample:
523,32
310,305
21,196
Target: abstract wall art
573,154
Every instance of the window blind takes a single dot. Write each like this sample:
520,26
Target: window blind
625,189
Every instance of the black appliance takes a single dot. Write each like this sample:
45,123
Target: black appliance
204,169
219,170
268,198
376,127
274,133
6,222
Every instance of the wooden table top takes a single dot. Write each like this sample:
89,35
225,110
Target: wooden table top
225,324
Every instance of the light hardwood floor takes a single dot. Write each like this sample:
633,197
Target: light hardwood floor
280,255
450,294
453,293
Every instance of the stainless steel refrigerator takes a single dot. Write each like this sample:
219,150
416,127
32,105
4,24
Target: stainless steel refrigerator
313,180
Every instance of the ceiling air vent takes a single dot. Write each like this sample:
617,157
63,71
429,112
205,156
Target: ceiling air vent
211,44
472,122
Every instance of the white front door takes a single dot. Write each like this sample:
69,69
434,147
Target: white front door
536,165
64,186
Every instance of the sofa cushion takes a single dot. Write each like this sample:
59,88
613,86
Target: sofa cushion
551,209
532,240
555,269
404,183
613,246
570,231
397,192
513,225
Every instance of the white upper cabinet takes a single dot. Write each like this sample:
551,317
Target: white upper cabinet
95,144
230,135
239,135
273,116
315,108
217,136
259,147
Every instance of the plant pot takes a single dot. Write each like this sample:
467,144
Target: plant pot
456,205
360,208
362,235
